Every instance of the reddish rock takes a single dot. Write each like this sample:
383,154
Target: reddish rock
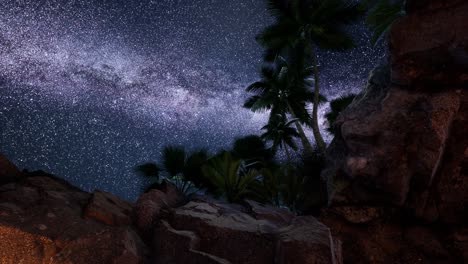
401,147
357,215
180,246
306,235
109,209
207,231
148,208
391,143
430,46
230,235
275,215
8,170
41,221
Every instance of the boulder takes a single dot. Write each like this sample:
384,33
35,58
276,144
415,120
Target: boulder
275,215
430,46
303,236
8,171
231,235
208,231
41,221
149,206
109,209
393,147
397,168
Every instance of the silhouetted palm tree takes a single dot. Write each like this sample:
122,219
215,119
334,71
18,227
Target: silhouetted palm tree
309,24
280,92
281,134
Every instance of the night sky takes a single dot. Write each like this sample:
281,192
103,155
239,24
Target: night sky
89,89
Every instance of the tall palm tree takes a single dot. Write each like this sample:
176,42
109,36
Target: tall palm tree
279,92
281,134
315,24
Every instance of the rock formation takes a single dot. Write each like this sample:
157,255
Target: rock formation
44,219
398,165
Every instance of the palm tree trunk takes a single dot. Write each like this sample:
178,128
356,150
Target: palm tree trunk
286,150
315,126
305,142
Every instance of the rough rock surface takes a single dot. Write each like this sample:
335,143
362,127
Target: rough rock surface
429,47
398,166
44,219
41,221
109,209
150,206
213,232
8,170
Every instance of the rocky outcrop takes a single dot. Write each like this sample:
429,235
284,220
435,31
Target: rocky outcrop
108,209
397,168
206,231
46,220
429,46
8,171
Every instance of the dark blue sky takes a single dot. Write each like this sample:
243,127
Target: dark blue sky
89,89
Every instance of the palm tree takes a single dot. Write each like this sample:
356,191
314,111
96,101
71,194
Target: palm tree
309,24
151,171
281,134
279,92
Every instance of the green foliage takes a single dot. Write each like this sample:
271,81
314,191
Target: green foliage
181,170
148,170
382,14
229,177
336,107
299,28
174,160
318,21
252,150
192,168
280,133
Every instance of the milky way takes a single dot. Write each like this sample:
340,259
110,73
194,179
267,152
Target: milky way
89,89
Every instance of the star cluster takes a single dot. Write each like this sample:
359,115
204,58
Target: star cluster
89,89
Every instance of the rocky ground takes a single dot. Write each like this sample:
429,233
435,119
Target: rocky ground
43,219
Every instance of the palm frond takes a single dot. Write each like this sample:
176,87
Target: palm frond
148,170
174,159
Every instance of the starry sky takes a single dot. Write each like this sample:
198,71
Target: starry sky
89,89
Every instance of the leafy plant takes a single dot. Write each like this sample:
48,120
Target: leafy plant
252,150
183,170
281,134
229,177
284,88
